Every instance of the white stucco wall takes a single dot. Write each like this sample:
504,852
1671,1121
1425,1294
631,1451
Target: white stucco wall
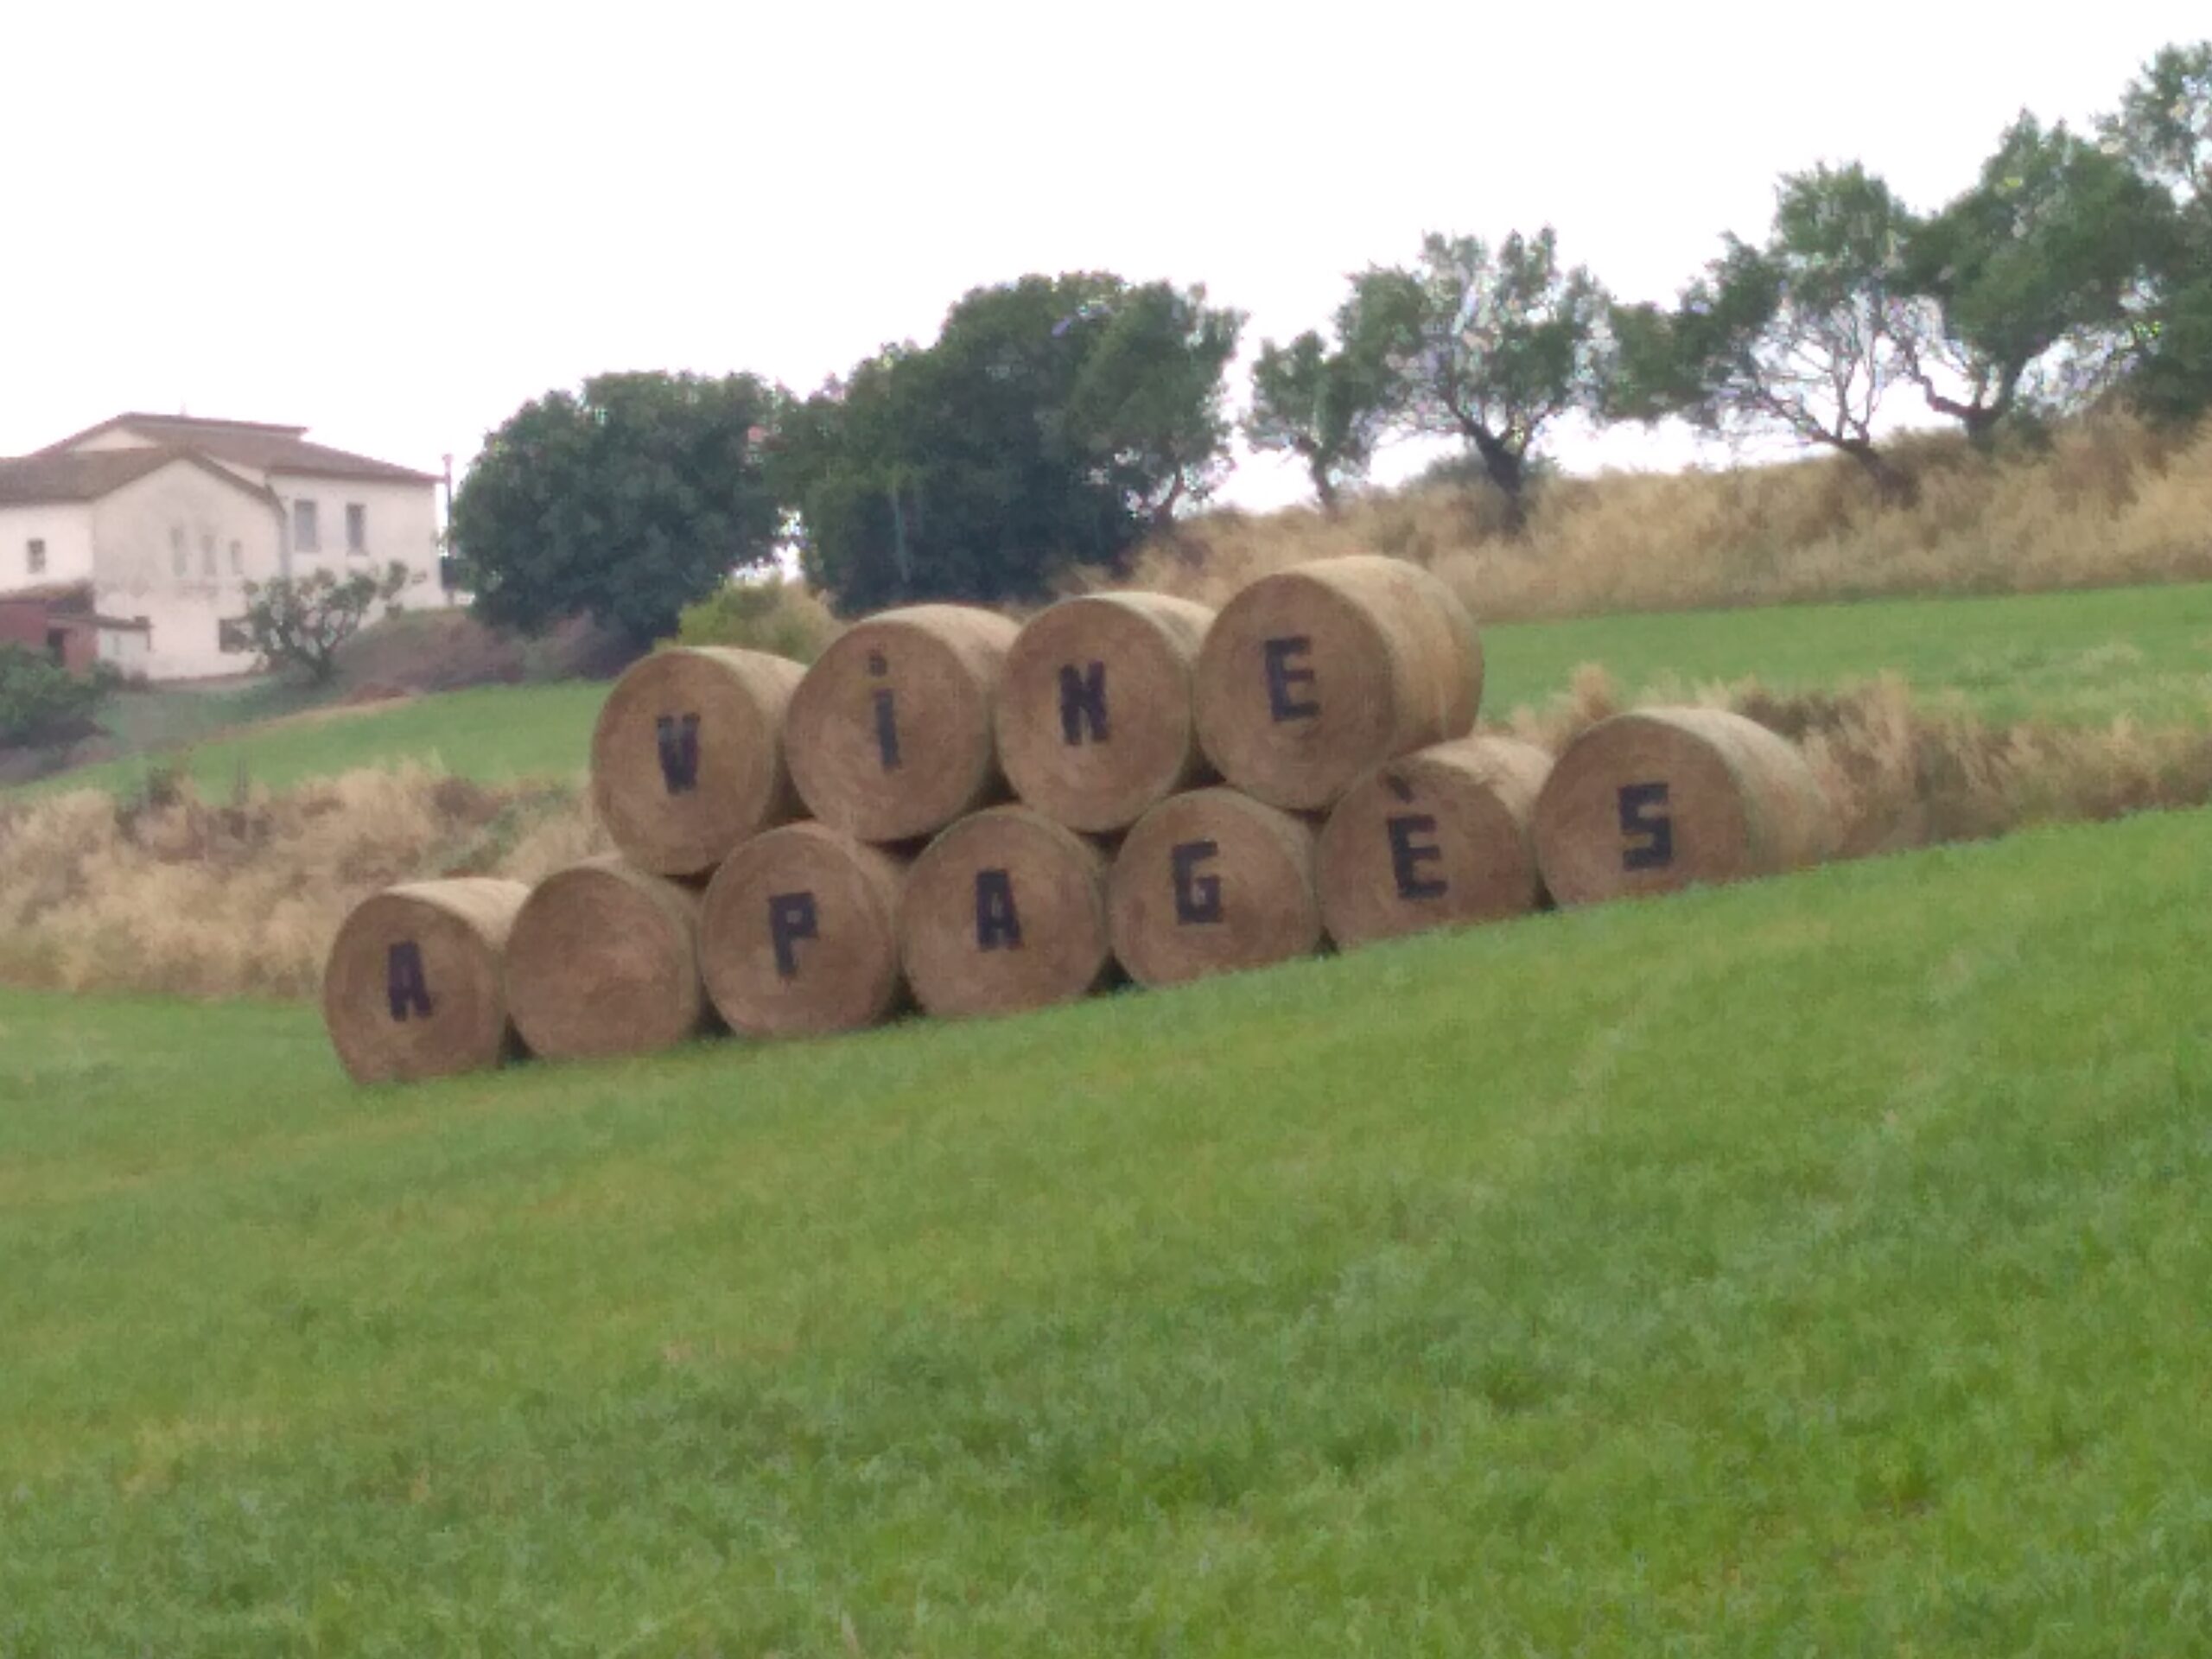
136,574
401,525
66,527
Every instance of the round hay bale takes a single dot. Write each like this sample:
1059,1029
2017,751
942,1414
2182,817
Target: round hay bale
604,960
1437,838
798,934
413,987
1005,911
1094,713
889,734
1659,799
1309,676
1210,882
687,758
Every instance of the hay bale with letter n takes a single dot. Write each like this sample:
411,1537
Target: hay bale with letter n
1438,838
1210,882
1005,911
1095,723
413,987
1311,676
1660,800
603,960
798,934
889,734
687,758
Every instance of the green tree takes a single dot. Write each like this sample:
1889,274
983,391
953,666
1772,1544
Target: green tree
2162,129
1332,406
1055,421
1490,347
1803,337
626,503
300,621
2026,279
42,703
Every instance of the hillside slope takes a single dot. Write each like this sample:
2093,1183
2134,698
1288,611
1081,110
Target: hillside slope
1810,1267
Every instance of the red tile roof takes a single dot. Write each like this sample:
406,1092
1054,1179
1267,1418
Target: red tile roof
257,444
46,477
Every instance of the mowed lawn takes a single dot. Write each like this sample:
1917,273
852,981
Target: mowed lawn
1815,1267
2090,657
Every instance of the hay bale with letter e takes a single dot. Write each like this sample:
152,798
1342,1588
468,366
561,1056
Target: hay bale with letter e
1438,838
889,734
1312,675
414,984
1003,912
1209,882
798,934
687,757
1660,799
1095,723
603,960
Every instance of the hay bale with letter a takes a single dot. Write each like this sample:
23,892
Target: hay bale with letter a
1660,800
1212,881
1312,675
1095,723
1005,911
798,934
687,757
889,734
603,960
1441,837
414,984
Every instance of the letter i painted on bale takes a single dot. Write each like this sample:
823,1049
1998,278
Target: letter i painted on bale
679,751
998,925
1407,855
791,918
886,715
1283,677
1197,898
1082,701
404,983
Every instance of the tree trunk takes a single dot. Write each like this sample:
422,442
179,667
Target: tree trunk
1322,488
1508,469
1895,486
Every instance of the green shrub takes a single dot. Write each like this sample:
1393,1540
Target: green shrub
777,615
42,702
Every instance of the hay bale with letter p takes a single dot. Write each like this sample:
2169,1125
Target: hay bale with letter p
414,985
1660,799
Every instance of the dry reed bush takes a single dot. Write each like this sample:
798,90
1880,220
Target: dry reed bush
174,893
2107,502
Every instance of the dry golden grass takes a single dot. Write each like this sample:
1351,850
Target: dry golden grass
2107,502
173,893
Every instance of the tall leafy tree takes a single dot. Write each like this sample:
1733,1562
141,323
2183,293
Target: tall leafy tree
1803,336
626,501
1056,421
1330,406
2024,279
1491,345
2162,129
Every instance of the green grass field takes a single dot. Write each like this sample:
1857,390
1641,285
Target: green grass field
1816,1267
2088,657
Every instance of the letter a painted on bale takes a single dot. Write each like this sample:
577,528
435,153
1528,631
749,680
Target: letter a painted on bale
679,751
405,984
1281,677
791,918
1082,701
998,925
1197,898
1407,855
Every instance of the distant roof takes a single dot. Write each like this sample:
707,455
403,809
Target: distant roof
257,444
46,477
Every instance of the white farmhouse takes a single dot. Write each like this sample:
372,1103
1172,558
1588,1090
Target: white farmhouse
131,541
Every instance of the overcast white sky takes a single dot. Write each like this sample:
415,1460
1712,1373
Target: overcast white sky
397,222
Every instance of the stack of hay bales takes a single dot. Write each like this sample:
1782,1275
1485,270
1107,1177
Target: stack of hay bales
950,813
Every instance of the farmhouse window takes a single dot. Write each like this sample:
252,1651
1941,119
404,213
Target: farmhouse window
306,536
231,636
207,553
238,558
180,563
357,528
35,556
